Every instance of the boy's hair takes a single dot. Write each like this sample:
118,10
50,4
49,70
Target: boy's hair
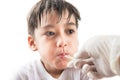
48,6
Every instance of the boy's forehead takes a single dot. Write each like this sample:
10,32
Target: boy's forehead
54,17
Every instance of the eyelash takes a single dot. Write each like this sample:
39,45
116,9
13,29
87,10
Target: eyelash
49,33
68,32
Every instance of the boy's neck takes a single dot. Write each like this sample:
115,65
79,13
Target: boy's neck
53,72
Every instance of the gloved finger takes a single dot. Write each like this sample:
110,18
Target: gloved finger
115,64
82,55
94,74
89,61
115,57
86,68
78,63
91,71
70,64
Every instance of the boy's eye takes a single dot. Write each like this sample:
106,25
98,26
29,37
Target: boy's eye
49,33
70,31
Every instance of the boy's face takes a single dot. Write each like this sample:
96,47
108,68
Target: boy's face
55,39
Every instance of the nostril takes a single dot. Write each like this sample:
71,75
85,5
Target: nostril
60,46
61,42
63,45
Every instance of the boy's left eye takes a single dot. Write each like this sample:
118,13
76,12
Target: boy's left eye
70,31
49,33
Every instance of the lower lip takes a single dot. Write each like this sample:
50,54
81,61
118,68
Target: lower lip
62,56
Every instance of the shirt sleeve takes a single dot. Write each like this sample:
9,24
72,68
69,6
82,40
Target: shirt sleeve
21,75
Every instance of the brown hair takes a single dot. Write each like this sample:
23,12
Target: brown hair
47,6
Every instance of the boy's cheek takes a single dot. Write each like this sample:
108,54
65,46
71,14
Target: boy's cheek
77,44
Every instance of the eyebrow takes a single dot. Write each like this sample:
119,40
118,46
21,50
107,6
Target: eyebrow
71,23
51,26
47,26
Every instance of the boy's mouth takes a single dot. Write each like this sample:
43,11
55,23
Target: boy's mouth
62,55
65,56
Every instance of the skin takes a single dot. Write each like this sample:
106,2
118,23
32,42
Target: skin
54,40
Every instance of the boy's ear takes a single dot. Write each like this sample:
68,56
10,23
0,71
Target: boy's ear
32,43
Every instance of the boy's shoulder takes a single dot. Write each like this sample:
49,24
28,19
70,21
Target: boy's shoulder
32,70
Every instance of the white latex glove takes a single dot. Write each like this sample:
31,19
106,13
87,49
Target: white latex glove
99,57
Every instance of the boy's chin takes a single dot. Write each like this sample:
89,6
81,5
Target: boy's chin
62,67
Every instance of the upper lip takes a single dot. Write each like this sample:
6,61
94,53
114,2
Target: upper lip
62,54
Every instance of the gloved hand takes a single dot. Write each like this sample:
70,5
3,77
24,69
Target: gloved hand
99,57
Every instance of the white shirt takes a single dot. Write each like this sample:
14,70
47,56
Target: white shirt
36,71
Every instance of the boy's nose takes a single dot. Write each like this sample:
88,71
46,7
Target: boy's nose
62,42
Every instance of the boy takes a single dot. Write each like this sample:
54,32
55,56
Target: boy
52,29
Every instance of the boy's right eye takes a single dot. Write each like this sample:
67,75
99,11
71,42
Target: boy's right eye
49,33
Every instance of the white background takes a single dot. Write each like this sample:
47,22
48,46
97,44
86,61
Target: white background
98,17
